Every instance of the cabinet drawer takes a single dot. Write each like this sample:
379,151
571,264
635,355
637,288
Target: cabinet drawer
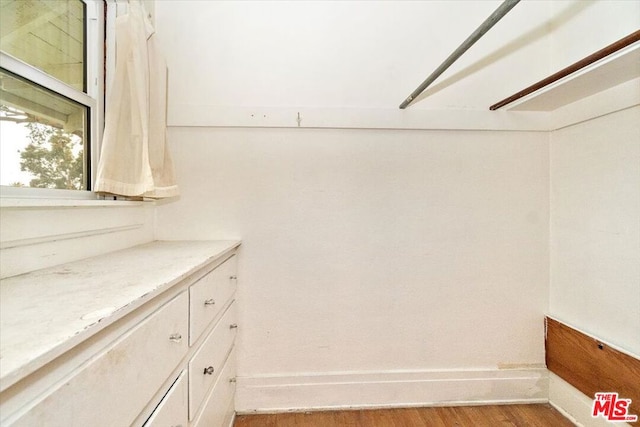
173,410
210,356
112,388
219,408
208,296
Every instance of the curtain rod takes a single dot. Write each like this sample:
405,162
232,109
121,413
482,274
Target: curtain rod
504,8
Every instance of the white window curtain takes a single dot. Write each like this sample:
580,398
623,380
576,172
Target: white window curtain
134,158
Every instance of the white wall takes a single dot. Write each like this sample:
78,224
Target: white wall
595,200
595,227
368,252
347,54
595,239
374,251
592,25
385,257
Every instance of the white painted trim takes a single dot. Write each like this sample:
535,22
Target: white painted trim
620,97
232,421
26,202
67,236
573,404
69,231
43,79
355,118
7,192
264,394
95,47
95,81
93,98
24,197
617,98
110,41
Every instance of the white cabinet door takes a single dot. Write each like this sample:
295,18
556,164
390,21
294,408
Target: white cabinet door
114,386
206,365
173,410
208,296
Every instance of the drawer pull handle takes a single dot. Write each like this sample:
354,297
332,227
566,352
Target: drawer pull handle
233,277
210,301
209,370
175,337
232,380
233,326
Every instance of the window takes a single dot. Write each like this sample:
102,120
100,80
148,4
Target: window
51,66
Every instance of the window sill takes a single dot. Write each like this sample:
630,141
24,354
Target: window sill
11,202
12,197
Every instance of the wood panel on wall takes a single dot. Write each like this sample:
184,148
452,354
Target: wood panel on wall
590,365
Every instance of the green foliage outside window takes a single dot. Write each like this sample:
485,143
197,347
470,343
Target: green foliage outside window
53,157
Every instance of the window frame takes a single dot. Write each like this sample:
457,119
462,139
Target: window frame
93,99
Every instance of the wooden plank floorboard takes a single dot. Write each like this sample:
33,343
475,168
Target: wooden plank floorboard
542,415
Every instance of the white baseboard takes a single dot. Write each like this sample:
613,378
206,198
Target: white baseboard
305,392
574,404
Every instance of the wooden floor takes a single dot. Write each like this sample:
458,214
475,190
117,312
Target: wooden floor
501,415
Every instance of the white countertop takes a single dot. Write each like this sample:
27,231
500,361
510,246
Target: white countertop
46,312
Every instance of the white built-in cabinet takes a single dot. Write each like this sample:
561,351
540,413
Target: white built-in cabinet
141,337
